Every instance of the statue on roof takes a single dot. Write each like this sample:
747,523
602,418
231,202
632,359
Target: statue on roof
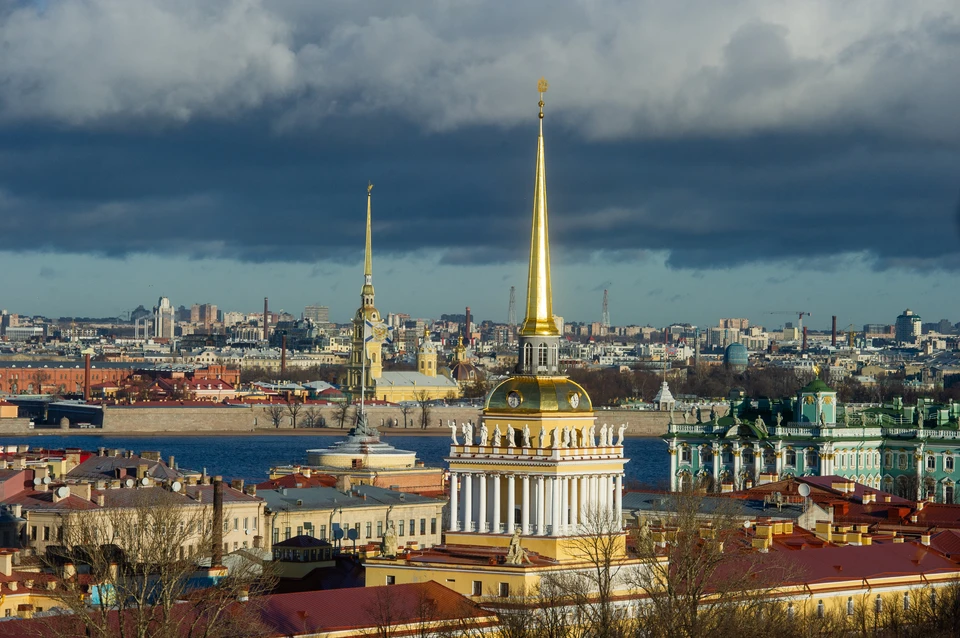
511,436
760,425
526,435
516,555
388,542
714,417
699,415
620,432
497,436
453,431
779,418
467,430
592,436
484,435
543,438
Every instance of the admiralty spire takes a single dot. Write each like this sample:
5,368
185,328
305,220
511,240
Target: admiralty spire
539,336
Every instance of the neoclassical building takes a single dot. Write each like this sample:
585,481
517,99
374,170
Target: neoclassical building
908,450
536,475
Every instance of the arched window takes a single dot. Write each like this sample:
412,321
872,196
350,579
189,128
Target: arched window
948,463
791,458
706,455
810,459
527,355
542,355
948,493
684,453
931,463
887,459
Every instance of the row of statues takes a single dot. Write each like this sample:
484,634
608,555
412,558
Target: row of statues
565,436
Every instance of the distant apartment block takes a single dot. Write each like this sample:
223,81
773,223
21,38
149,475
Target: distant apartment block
317,314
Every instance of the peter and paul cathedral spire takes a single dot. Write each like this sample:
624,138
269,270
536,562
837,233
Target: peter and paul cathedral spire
367,291
365,358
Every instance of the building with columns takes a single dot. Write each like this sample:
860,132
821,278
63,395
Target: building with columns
911,451
536,474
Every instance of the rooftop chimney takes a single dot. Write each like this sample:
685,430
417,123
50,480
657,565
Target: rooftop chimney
170,463
804,346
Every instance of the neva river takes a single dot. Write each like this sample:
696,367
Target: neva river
251,457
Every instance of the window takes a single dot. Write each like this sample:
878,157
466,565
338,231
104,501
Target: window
504,590
931,463
369,530
810,459
226,525
323,532
433,526
246,523
299,530
236,524
791,458
400,528
46,532
7,612
948,463
542,355
254,522
887,459
902,461
477,589
684,454
706,456
423,527
391,580
286,533
379,529
413,526
528,354
276,535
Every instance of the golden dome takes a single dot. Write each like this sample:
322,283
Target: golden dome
539,394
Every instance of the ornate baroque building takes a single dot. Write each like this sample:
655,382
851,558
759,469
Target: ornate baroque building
908,450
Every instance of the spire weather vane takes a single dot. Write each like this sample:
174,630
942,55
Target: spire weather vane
542,87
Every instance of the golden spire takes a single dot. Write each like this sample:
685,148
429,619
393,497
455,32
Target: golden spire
539,319
368,253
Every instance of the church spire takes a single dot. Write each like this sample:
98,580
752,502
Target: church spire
539,319
367,292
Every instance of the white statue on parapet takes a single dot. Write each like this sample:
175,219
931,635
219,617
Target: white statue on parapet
453,431
557,437
497,436
603,435
388,545
484,435
623,428
543,437
511,436
467,430
526,435
592,439
516,555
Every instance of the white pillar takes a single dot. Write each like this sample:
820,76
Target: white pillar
511,504
618,501
564,503
482,511
673,466
584,497
574,501
717,457
496,503
468,502
779,459
541,506
525,505
454,503
556,522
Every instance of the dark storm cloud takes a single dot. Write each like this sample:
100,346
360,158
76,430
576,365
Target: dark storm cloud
723,133
238,190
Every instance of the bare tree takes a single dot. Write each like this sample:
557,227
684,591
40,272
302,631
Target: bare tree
293,409
423,402
341,411
405,410
311,417
275,413
138,563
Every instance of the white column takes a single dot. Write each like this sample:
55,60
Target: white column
467,502
779,459
717,457
557,506
591,492
541,506
574,502
511,504
584,497
673,465
454,503
605,486
525,505
564,503
618,500
496,503
482,512
737,451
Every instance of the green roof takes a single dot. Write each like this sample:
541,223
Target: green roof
817,386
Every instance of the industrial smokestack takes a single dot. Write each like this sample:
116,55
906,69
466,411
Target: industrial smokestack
283,356
466,327
266,320
216,552
86,377
804,346
833,334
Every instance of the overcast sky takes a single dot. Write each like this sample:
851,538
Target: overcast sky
704,159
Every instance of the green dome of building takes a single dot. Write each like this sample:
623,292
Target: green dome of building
736,357
539,394
816,386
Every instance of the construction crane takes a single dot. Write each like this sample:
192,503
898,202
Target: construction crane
605,312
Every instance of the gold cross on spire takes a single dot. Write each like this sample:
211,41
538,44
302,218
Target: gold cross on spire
542,87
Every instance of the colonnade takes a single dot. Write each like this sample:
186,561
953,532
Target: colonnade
539,504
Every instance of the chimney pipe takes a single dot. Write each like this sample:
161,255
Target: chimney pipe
170,463
86,377
804,346
217,549
266,320
833,333
283,356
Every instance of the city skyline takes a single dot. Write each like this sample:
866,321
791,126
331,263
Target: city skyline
759,159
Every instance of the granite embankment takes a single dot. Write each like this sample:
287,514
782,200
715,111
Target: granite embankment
258,419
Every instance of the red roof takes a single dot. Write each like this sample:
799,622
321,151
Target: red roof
299,480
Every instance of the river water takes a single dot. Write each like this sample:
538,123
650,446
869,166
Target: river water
251,457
